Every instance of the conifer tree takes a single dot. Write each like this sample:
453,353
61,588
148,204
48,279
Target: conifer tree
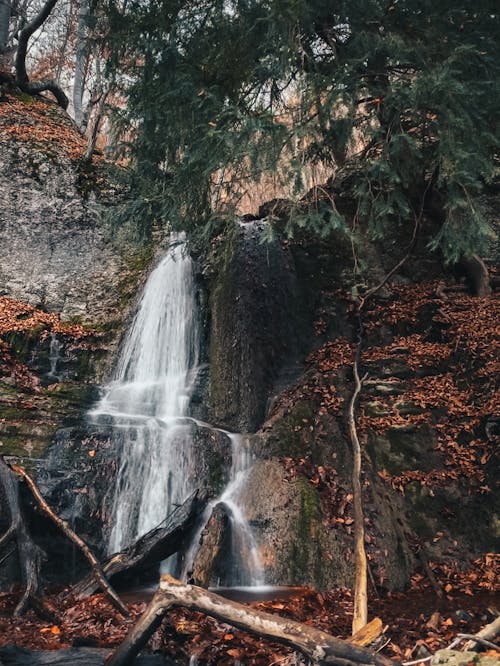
223,90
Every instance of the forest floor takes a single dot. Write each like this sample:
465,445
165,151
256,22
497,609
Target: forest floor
417,622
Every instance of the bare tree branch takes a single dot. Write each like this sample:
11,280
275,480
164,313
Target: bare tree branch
360,613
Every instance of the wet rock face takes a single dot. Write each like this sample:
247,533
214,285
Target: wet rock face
257,325
211,563
285,516
304,533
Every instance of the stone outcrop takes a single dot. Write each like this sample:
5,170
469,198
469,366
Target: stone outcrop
56,253
297,497
258,324
266,306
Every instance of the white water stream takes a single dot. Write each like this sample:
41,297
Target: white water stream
146,404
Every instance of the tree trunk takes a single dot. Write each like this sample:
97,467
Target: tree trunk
155,546
5,11
22,79
80,64
30,555
360,613
316,645
93,130
477,274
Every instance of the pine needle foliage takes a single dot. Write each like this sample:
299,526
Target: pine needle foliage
219,93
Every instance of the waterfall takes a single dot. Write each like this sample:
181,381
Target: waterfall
146,406
151,388
54,356
243,567
246,565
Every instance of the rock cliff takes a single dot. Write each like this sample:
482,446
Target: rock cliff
278,347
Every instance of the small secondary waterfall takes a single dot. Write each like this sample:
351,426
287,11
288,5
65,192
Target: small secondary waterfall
243,567
54,357
146,405
246,566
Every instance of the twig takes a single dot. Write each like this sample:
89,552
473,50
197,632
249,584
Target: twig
430,574
475,638
395,268
490,631
481,641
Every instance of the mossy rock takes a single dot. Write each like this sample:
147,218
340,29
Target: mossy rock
457,658
452,510
404,448
135,265
76,394
23,343
25,442
374,409
305,553
291,435
406,408
257,324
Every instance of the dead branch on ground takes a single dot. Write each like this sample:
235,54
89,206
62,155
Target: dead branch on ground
317,645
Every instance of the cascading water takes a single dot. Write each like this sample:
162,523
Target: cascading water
243,566
246,566
146,406
54,357
151,389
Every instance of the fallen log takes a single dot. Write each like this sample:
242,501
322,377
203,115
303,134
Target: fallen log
13,655
30,555
78,541
316,645
159,543
369,633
